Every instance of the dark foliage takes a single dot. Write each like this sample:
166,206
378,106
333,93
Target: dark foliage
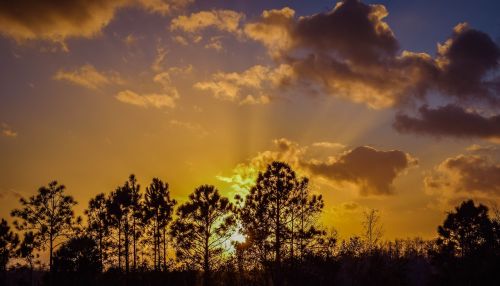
128,239
77,262
8,243
468,249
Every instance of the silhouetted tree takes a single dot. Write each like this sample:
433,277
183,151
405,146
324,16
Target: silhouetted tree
202,227
8,243
115,215
48,214
98,225
158,210
136,213
278,208
467,250
372,229
304,212
123,208
467,230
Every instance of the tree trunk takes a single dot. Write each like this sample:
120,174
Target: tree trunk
51,244
164,251
134,246
278,239
157,238
302,233
51,248
206,258
31,271
278,234
119,247
291,239
101,260
126,233
206,265
155,244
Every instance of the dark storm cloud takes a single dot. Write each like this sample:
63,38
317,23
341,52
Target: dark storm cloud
449,120
372,170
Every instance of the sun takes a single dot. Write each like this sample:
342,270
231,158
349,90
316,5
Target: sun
238,237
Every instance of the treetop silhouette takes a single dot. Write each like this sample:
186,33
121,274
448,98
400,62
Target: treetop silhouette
127,235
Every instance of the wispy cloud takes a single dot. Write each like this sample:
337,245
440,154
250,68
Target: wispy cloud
195,128
10,192
88,76
160,58
7,131
330,145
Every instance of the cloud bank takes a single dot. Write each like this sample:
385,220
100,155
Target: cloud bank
351,53
449,120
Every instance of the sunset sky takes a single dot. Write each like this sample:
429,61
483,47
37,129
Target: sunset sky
392,105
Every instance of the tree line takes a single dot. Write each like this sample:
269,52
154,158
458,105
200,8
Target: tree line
271,236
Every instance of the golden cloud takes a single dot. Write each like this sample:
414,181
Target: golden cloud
273,30
248,86
56,20
223,20
148,100
466,176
